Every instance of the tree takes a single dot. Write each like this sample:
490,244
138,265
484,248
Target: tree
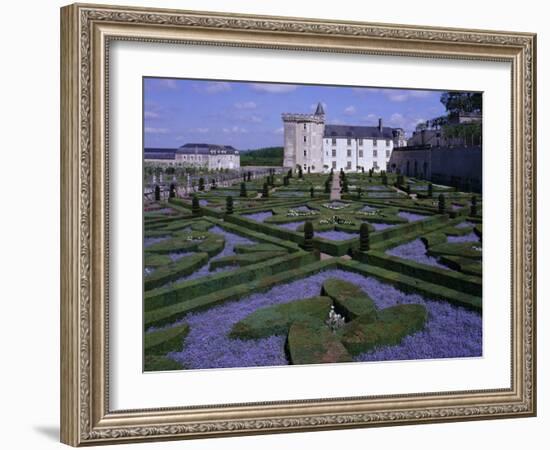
201,184
327,186
300,172
248,176
311,192
359,192
265,191
157,193
461,102
243,190
286,181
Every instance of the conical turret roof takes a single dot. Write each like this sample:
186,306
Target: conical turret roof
319,111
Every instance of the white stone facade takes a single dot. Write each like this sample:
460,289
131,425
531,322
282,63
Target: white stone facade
313,145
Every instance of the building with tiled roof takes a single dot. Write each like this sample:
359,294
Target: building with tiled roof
319,147
210,156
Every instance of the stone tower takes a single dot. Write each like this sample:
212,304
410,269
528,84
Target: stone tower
304,140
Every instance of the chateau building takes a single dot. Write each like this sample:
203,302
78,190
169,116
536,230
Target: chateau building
208,156
311,144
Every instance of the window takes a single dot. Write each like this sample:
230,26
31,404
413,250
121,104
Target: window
375,165
349,165
304,126
388,142
333,141
387,153
360,153
349,153
375,153
305,152
334,164
349,141
326,152
305,139
360,141
374,142
334,153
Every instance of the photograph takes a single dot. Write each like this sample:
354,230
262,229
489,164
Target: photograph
291,224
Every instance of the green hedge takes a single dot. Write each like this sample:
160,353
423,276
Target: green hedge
245,259
435,275
171,272
188,290
160,342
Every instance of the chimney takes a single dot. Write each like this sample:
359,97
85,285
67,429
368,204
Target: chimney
380,124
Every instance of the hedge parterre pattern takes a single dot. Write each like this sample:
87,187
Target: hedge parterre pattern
243,283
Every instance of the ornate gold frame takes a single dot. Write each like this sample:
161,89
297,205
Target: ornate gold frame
86,31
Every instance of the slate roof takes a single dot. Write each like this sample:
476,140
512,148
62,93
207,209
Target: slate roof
205,149
358,132
159,153
319,111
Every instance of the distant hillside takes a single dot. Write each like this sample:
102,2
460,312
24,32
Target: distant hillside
268,156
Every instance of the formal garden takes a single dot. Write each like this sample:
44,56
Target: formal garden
284,268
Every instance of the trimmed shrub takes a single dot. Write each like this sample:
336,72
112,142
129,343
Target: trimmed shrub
359,192
364,244
229,204
308,236
157,193
441,204
430,190
265,191
172,193
195,206
201,184
363,335
473,206
167,340
243,190
327,186
245,259
276,320
349,300
311,191
309,343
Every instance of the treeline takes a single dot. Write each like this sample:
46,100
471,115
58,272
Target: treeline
268,156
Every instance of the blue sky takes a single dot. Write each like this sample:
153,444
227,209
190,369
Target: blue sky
247,115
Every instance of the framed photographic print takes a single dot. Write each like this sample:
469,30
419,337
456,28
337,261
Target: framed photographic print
280,224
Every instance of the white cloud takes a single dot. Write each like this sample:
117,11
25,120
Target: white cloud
168,83
406,122
151,115
212,87
255,119
151,130
350,110
421,94
234,130
274,88
397,96
280,130
199,130
371,118
245,105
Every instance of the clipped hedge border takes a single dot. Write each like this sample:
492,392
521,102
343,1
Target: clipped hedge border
454,280
171,272
177,310
409,284
188,290
160,342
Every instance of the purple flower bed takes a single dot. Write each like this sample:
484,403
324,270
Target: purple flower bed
203,202
231,240
470,237
368,208
380,226
450,331
336,235
455,206
411,217
259,216
377,188
293,226
465,224
303,208
148,241
415,251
